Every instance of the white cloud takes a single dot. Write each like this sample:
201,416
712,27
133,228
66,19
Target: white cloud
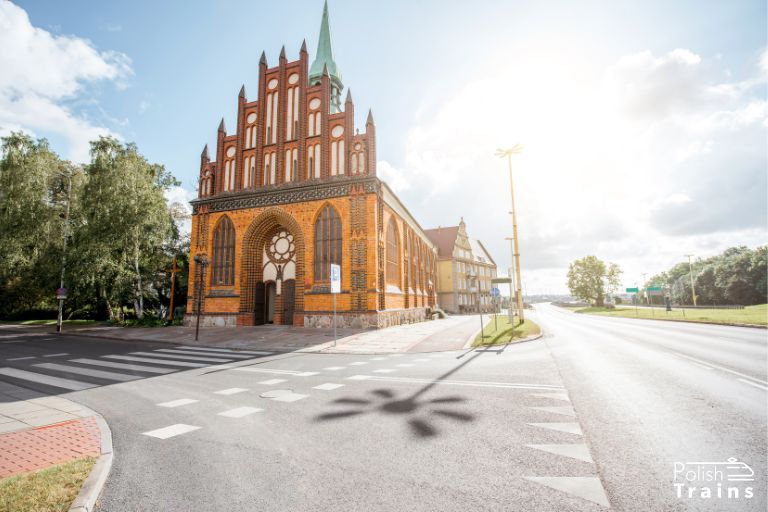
637,162
41,70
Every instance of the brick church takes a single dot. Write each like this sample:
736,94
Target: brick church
293,189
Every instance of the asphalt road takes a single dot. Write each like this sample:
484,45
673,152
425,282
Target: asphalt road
654,393
593,415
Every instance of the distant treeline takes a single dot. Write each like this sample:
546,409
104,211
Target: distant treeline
737,276
121,232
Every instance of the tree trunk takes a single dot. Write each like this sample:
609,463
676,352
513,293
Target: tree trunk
139,301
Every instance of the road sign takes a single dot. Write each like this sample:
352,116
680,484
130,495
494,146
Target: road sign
495,292
632,290
654,288
501,280
335,278
61,293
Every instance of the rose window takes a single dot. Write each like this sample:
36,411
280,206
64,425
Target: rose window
281,248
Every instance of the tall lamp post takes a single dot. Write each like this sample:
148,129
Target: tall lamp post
201,262
61,292
501,153
511,278
693,290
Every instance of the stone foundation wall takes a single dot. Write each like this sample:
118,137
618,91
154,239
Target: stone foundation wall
190,320
377,320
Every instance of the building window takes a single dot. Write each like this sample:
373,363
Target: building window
327,242
393,254
223,268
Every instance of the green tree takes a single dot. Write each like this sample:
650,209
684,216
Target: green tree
590,279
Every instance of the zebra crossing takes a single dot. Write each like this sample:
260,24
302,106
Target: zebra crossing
57,372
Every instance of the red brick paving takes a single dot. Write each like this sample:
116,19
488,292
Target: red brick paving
42,447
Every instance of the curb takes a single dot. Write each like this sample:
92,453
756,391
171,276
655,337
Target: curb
471,340
683,320
89,493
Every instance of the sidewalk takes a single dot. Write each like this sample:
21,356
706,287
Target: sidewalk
38,431
435,335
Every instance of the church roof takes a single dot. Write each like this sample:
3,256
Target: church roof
324,55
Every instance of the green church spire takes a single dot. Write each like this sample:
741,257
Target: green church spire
324,55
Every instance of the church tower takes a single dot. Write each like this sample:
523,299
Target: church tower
324,61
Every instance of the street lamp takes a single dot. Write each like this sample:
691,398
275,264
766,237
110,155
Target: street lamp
511,277
690,268
200,261
61,292
501,153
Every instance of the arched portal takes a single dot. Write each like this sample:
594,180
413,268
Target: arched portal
272,271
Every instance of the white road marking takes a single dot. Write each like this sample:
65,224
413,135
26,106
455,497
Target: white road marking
272,382
289,397
20,358
171,431
565,410
226,350
123,366
177,403
156,361
101,374
306,374
358,363
764,388
57,355
706,367
569,428
404,365
723,368
384,370
268,370
334,368
239,412
328,386
554,396
575,451
207,354
586,487
163,357
360,377
396,355
379,359
420,360
74,385
230,391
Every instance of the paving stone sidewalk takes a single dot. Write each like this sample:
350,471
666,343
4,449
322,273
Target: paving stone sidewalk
38,431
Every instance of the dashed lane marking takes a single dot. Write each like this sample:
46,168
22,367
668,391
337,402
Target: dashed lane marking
123,366
358,363
57,355
334,368
171,431
306,374
360,377
575,451
101,374
422,360
48,380
21,358
722,368
586,487
379,359
328,386
568,428
404,365
227,350
177,403
230,391
207,354
240,412
289,397
385,370
271,382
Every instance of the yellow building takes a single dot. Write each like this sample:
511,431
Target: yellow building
464,270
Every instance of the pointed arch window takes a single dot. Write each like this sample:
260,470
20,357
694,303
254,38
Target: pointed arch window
223,267
393,254
327,242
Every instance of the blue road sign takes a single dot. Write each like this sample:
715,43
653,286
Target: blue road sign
495,292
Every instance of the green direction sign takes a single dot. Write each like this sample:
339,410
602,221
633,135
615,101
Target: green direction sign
654,288
632,290
501,280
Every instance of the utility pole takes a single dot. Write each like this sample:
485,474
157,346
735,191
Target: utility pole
645,289
511,280
60,316
693,290
517,148
174,268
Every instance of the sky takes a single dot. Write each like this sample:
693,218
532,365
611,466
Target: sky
643,123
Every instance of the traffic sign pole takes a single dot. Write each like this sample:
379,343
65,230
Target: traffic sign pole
335,289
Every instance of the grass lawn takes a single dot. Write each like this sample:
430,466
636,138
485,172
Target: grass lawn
756,315
505,333
46,490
